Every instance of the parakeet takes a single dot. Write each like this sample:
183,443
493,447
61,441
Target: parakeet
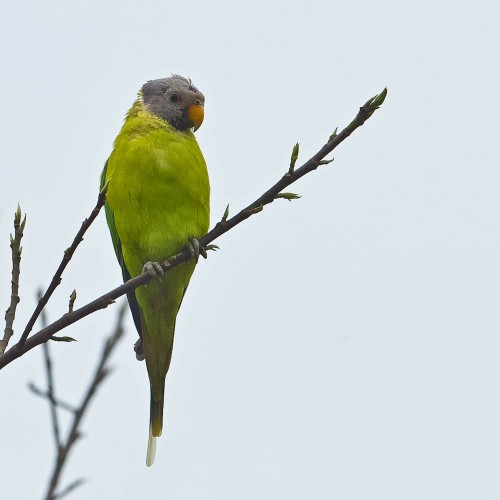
157,201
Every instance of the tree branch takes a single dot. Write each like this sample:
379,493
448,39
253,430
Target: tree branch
220,228
68,254
50,385
72,486
15,245
45,394
101,372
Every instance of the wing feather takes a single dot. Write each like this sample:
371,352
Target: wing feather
117,244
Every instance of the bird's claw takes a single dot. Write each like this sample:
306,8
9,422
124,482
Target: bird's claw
154,269
139,350
195,249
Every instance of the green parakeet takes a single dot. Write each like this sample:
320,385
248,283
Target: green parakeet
157,201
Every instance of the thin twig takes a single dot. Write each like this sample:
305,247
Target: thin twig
69,488
50,394
15,245
45,394
101,372
50,384
220,228
56,279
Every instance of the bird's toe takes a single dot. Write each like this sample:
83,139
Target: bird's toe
195,249
154,269
139,350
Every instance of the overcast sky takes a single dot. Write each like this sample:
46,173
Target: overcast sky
345,345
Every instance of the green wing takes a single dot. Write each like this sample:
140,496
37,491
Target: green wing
117,244
110,218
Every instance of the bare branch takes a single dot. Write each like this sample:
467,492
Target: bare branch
50,395
45,394
68,254
220,228
50,385
101,372
15,245
72,486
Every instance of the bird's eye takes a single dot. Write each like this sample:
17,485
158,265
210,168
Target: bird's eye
174,97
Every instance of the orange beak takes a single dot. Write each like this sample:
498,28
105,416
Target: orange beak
196,114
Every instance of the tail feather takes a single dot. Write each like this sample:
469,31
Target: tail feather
150,456
156,416
157,343
155,427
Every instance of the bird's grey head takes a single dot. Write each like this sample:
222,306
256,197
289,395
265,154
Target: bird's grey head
176,100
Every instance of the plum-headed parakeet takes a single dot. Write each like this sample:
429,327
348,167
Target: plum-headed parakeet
157,201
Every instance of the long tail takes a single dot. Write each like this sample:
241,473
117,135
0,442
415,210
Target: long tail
158,342
155,428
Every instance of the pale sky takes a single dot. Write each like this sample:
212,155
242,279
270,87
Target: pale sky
345,345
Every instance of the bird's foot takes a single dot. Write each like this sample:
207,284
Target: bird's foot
139,350
195,249
154,269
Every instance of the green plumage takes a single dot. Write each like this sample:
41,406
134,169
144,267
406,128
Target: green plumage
157,199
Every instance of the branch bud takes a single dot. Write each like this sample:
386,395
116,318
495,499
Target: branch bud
293,158
288,196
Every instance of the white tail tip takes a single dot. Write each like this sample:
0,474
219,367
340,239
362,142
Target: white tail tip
150,456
